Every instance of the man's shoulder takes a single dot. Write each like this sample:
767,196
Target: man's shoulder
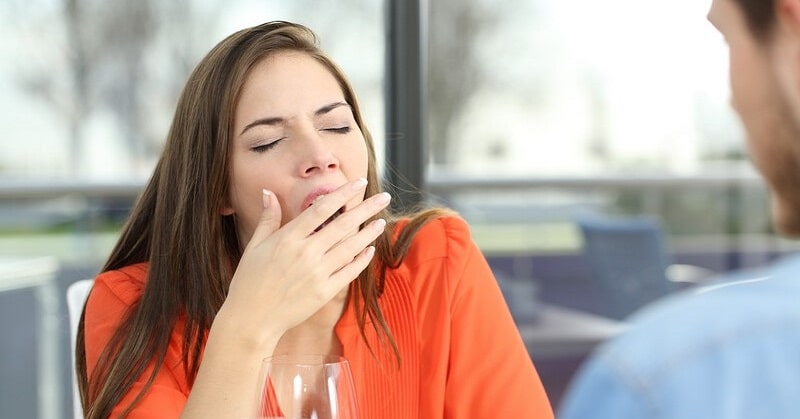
696,325
733,344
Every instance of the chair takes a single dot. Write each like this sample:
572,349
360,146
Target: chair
630,263
77,293
40,275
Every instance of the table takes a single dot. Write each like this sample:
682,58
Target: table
40,274
559,331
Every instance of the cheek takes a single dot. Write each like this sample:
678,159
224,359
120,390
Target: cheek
753,97
363,164
745,75
765,92
772,134
245,197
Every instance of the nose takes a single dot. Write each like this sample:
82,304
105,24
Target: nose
316,155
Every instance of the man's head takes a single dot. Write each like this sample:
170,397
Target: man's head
763,37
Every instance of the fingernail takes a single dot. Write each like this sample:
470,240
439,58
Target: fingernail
379,224
370,251
359,183
382,198
265,197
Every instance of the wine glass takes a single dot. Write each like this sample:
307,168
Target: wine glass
307,387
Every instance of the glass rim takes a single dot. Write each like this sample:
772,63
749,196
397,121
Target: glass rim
305,359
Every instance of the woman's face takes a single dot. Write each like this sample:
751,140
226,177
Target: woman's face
295,136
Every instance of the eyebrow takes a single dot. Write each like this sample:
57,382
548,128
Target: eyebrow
278,120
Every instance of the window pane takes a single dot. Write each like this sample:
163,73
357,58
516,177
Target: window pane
549,87
547,109
90,90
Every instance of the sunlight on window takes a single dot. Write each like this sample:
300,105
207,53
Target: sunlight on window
566,88
89,91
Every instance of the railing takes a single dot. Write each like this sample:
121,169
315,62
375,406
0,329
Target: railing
653,192
486,201
444,183
438,184
36,189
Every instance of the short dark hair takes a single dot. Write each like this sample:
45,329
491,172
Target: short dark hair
759,15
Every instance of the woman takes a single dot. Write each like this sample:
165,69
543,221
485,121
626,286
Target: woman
263,231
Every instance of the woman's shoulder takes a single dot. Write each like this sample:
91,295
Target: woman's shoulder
439,226
443,236
125,284
113,293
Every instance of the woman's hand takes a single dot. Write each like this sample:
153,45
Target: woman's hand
287,274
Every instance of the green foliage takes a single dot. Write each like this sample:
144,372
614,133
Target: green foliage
700,211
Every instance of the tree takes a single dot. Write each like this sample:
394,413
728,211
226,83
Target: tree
454,66
128,59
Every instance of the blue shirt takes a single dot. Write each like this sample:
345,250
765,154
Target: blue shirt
727,351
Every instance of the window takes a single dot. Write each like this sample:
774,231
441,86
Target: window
542,109
90,86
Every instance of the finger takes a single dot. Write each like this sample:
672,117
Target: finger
323,209
344,252
349,222
350,271
270,219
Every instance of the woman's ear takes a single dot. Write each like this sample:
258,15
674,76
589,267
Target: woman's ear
226,208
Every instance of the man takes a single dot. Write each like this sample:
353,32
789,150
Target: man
734,351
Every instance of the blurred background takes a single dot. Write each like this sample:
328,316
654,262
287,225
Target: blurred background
533,118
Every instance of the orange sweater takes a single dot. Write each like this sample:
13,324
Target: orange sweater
462,356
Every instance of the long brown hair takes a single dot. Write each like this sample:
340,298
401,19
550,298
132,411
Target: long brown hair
180,204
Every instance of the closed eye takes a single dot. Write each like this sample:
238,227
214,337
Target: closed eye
338,130
265,147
